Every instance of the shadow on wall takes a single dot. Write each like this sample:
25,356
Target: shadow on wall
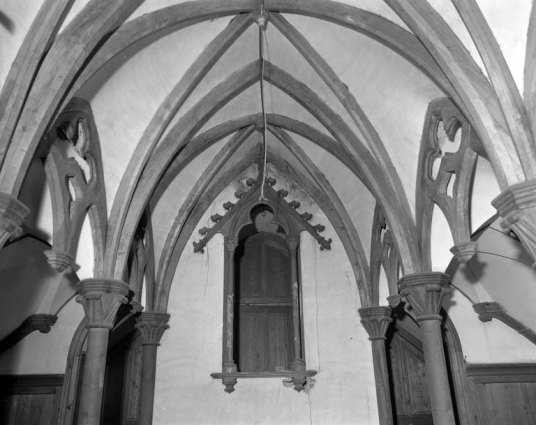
6,22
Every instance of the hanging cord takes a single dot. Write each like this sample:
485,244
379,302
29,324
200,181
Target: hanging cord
262,38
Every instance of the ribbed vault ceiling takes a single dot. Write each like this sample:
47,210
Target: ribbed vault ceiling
175,94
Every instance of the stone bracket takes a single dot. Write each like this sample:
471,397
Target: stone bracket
491,310
299,379
36,322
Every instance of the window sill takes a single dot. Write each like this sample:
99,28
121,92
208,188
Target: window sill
297,379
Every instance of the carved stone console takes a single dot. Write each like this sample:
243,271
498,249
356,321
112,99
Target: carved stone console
491,310
36,322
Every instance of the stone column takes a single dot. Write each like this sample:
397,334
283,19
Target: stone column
152,326
101,299
376,320
298,364
229,365
12,214
517,207
425,291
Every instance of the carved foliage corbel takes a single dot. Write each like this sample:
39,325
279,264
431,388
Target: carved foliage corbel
74,169
447,161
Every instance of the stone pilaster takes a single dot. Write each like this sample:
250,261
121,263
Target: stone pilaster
12,214
517,207
101,298
376,320
425,292
229,365
298,364
152,326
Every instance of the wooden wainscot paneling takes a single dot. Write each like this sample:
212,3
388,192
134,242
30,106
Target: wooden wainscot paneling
30,399
505,393
411,394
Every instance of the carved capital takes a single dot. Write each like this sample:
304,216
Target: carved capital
375,320
425,292
12,214
517,207
101,299
152,326
464,251
59,260
293,241
231,244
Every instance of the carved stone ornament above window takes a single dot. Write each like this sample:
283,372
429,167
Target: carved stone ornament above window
262,320
238,213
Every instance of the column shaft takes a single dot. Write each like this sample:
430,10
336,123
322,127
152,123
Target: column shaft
101,299
93,377
376,320
425,292
148,380
381,375
436,373
152,326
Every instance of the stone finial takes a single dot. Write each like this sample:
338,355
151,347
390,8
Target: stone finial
59,260
375,320
152,326
12,214
425,292
517,207
101,298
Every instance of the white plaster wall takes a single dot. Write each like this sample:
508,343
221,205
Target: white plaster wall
336,346
44,353
491,342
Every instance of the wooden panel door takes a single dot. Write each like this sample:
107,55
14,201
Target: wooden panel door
264,271
265,305
265,338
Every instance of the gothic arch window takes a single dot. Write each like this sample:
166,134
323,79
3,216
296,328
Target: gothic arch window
262,317
263,288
